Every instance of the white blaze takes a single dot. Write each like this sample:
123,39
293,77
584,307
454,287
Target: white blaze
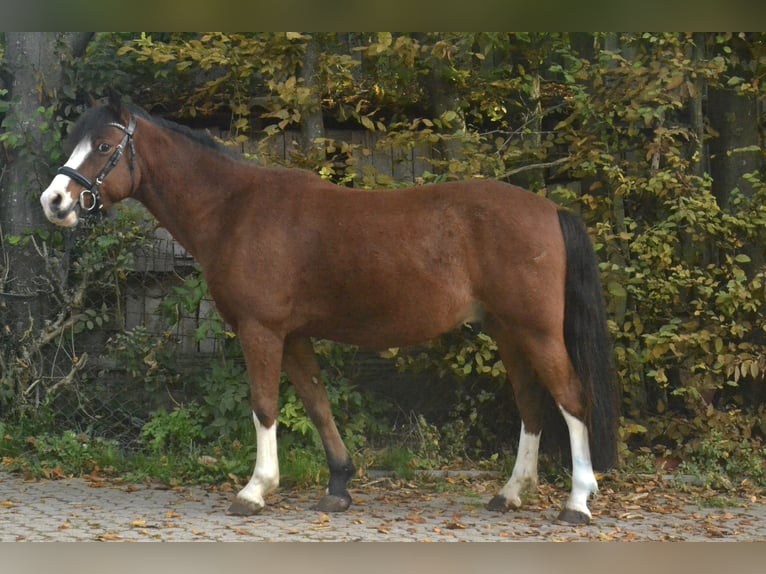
57,204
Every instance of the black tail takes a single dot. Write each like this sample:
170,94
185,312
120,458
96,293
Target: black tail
587,340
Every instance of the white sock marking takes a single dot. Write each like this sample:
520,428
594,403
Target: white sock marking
583,480
266,473
524,475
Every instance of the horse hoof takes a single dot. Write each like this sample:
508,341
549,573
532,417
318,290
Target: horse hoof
498,504
244,508
334,503
573,517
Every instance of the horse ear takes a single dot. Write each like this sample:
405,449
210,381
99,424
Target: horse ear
114,100
115,103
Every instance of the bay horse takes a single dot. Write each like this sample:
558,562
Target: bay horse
288,256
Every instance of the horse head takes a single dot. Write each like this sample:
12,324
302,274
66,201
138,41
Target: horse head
100,169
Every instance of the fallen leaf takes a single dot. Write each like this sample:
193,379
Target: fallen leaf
109,538
455,526
323,518
138,523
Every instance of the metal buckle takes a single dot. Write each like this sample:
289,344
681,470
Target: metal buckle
94,200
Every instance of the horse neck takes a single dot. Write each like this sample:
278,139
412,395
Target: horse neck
185,196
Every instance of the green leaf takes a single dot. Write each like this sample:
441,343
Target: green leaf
616,290
367,123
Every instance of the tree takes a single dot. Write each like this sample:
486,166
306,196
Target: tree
312,119
35,73
620,127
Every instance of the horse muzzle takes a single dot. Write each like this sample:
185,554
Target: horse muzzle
59,207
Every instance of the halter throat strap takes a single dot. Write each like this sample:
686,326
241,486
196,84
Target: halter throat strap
91,194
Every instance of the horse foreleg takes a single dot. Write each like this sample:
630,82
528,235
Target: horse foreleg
583,480
265,479
302,369
263,356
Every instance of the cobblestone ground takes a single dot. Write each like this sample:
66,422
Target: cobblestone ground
443,509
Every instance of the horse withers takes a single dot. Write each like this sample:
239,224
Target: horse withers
288,256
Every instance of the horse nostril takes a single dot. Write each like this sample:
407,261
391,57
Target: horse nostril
56,202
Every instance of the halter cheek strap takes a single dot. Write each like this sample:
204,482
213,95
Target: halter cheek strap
91,195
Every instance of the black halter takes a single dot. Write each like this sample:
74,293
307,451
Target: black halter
91,192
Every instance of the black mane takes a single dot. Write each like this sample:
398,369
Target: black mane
96,118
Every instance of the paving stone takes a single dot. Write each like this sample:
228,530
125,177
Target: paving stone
73,510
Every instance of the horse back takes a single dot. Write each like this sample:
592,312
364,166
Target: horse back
384,268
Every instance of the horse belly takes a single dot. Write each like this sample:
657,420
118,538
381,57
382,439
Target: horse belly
377,322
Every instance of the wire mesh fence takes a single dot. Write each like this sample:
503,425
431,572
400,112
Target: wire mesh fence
157,342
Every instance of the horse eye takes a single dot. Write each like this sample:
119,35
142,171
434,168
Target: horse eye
104,147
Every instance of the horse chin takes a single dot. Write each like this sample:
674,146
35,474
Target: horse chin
65,219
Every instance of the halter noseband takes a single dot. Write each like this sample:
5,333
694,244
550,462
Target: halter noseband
91,192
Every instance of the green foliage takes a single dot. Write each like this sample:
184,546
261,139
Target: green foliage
56,455
225,401
147,358
186,300
401,460
86,276
683,270
719,458
177,431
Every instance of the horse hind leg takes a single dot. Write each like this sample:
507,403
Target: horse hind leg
557,375
302,369
532,371
583,479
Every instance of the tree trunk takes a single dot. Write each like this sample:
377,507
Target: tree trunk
619,300
312,121
736,151
445,98
699,163
735,118
33,61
